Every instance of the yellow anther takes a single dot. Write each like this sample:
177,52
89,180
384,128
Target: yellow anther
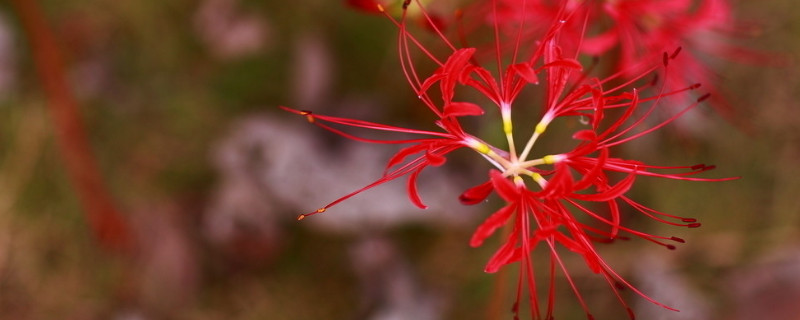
482,148
518,180
540,128
309,117
538,178
550,159
303,216
507,127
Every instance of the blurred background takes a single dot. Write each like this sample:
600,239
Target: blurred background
161,181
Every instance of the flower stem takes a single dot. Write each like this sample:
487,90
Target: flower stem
106,222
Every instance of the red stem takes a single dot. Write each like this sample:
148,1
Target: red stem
107,224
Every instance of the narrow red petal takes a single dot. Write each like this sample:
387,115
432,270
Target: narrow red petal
560,184
430,81
525,71
434,159
601,43
413,194
611,193
491,224
505,189
590,175
458,109
403,153
587,135
599,106
564,63
453,71
508,253
476,194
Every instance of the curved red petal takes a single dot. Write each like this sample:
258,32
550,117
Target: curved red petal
413,194
430,81
434,159
491,224
599,106
508,253
476,194
601,43
504,188
403,153
611,193
525,71
590,175
452,71
560,184
458,109
564,63
587,135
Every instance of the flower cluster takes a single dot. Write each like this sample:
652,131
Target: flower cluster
630,32
551,200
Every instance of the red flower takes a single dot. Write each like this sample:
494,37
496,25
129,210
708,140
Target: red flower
578,176
641,30
549,200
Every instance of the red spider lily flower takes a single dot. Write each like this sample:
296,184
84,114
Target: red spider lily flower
561,190
644,29
641,30
549,200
